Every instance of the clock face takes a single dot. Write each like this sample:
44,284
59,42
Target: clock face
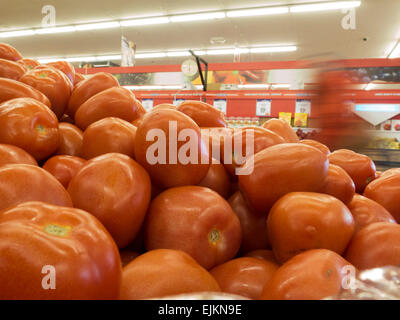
189,67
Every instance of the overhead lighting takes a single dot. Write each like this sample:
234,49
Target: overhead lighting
395,52
273,49
257,12
369,86
98,26
79,59
226,51
178,54
199,52
150,55
19,33
144,22
253,86
198,16
325,6
55,30
107,58
281,86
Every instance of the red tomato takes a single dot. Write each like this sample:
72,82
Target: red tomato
253,226
244,276
282,128
215,140
204,114
88,88
338,184
66,68
71,139
22,182
109,135
116,190
30,125
157,134
366,211
217,179
29,63
376,245
160,273
84,256
78,78
389,172
102,105
360,168
9,53
11,70
53,84
311,275
313,143
263,254
295,224
279,170
10,154
209,231
63,168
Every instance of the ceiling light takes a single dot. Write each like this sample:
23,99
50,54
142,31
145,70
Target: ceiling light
199,52
273,49
78,59
150,55
325,6
111,57
198,16
18,33
98,26
178,54
281,86
144,22
257,12
253,86
395,52
369,86
227,51
55,30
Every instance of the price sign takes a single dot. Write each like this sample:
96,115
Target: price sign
263,107
220,104
147,104
303,106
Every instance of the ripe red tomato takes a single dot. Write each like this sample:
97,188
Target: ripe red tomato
389,172
78,78
217,179
253,226
279,170
209,231
360,168
202,113
53,84
366,211
215,140
281,128
159,131
71,140
103,105
311,275
29,63
376,245
63,168
34,235
9,53
313,143
338,184
11,70
22,182
116,190
263,254
10,154
66,68
163,272
109,135
30,125
244,276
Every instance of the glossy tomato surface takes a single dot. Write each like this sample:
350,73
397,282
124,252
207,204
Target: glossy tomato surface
9,53
29,63
165,106
10,154
63,168
65,67
217,179
320,146
204,114
281,128
217,140
71,140
11,70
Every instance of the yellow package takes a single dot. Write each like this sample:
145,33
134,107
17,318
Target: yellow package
286,116
300,119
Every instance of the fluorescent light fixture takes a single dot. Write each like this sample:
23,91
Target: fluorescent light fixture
325,6
150,55
369,86
254,86
144,22
257,12
98,26
107,58
384,107
198,16
178,54
226,51
395,52
281,86
199,52
18,33
78,59
273,49
55,30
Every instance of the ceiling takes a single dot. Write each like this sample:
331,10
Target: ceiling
316,34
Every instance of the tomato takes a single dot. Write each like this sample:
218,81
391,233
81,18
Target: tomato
378,174
71,140
30,125
165,106
10,154
202,113
338,184
66,68
215,140
282,128
11,89
163,272
360,168
29,63
263,254
9,53
103,105
209,231
301,221
253,226
11,70
244,276
127,256
162,142
63,168
22,182
116,190
53,84
137,122
88,88
313,143
366,211
109,135
279,170
376,245
84,257
389,172
217,179
78,78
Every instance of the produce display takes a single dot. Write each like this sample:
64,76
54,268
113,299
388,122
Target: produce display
100,199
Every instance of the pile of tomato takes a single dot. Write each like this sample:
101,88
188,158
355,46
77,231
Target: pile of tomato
85,214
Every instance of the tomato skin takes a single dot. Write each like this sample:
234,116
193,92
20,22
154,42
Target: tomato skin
366,211
28,63
9,53
78,78
313,143
22,182
85,259
283,129
165,106
253,226
71,140
102,105
338,184
376,245
360,168
263,254
11,89
88,88
217,179
66,68
116,190
244,276
30,125
209,231
219,135
11,70
281,169
109,135
63,168
311,275
204,114
10,154
389,172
